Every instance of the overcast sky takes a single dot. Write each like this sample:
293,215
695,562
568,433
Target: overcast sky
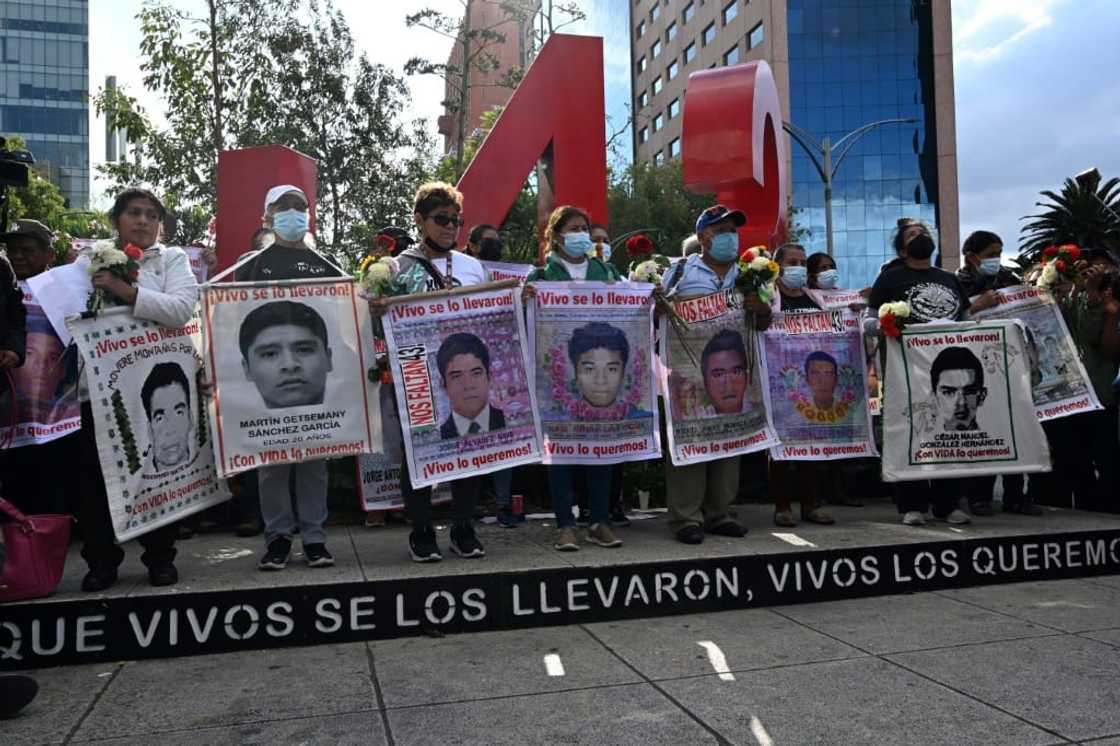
1037,86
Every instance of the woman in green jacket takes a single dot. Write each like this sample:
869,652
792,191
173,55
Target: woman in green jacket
571,259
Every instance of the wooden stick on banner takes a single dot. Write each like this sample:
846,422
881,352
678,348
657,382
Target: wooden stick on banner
462,290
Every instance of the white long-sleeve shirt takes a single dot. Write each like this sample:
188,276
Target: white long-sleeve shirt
167,293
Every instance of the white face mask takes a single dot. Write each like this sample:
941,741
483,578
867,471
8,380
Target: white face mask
990,267
828,279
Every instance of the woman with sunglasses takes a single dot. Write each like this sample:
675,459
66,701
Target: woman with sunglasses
434,264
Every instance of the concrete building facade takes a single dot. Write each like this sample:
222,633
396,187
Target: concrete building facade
485,91
838,64
44,84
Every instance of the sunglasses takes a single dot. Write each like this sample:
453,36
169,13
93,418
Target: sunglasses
445,220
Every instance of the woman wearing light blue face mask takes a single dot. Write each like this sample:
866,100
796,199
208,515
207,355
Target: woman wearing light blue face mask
981,274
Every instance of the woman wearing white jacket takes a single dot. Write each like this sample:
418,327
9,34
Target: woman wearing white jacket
165,292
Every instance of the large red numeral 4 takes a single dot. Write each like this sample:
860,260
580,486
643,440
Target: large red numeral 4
556,112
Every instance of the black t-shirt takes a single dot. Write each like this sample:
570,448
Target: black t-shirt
932,294
286,263
798,303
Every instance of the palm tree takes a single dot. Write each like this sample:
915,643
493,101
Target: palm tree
1086,213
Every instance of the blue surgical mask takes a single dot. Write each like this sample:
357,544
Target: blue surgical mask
725,247
794,277
290,225
990,267
577,244
829,279
606,251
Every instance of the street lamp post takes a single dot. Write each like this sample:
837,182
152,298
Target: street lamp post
825,166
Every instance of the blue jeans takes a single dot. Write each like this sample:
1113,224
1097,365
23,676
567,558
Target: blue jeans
598,493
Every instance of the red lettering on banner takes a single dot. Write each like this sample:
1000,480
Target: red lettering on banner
418,392
733,144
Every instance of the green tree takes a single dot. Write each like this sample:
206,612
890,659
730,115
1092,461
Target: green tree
654,200
284,72
1085,212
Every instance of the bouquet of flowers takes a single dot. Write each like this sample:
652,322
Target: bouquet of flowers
649,270
1059,263
376,274
757,273
123,263
893,318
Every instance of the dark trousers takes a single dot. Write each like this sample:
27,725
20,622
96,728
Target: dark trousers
100,549
1072,479
939,496
981,489
418,502
41,478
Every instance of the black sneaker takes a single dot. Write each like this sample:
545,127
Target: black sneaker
422,545
317,555
163,573
16,692
690,534
506,518
464,542
584,518
276,556
99,579
619,519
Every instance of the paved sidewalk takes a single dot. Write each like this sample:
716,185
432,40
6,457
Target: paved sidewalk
220,561
1031,663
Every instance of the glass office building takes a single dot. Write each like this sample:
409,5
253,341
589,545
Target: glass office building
852,62
44,75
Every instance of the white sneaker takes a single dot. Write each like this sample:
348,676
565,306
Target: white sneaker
914,518
958,517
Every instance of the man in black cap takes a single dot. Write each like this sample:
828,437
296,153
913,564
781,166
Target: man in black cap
400,238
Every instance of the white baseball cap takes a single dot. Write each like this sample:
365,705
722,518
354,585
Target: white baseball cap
276,192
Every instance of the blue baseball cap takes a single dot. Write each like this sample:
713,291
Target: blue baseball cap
716,213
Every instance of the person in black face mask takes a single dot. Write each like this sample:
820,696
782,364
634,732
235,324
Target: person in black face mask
484,243
933,295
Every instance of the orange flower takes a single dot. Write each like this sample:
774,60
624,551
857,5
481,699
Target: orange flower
1072,251
1050,251
889,327
133,252
1060,265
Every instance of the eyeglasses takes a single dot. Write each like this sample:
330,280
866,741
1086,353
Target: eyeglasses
445,220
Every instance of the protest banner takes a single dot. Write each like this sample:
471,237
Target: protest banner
836,300
45,386
153,438
1059,383
814,364
290,364
712,382
198,265
499,271
459,360
595,379
958,403
379,484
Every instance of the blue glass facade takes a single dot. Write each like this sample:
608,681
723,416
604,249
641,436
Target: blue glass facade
44,83
853,62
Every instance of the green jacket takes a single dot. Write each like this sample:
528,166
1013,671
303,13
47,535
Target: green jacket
1086,325
555,271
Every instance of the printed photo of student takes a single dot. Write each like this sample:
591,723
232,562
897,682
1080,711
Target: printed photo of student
464,369
286,353
166,396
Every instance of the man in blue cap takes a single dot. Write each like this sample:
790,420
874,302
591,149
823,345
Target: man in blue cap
700,495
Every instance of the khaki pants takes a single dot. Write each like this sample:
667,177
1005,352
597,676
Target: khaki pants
700,494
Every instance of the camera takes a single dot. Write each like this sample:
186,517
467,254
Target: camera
14,169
